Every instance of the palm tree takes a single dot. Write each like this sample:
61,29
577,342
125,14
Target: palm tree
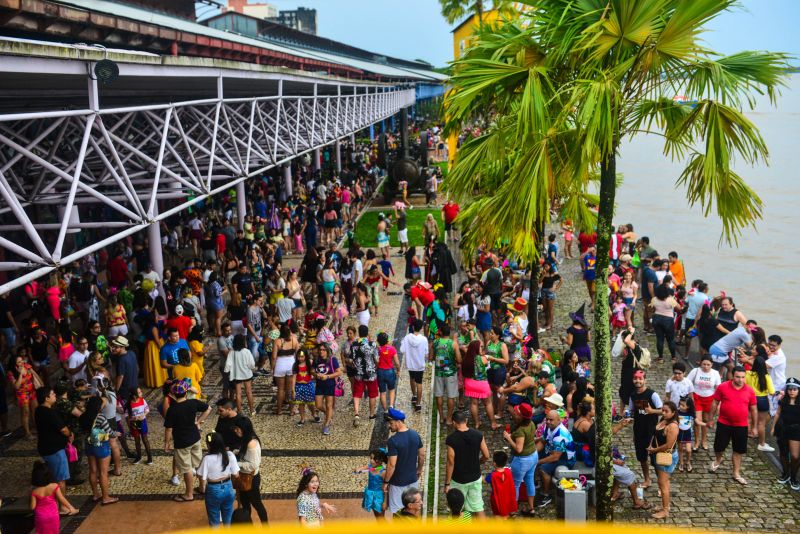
596,72
455,10
508,177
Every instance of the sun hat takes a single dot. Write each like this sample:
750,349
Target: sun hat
518,305
120,341
555,399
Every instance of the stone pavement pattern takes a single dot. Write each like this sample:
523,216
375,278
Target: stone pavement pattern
285,446
699,499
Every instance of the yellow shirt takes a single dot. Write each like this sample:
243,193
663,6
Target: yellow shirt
189,372
751,379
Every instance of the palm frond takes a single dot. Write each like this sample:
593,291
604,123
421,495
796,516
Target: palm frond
732,78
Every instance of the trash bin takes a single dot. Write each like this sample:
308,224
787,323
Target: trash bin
571,504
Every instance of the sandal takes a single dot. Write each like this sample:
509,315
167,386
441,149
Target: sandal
713,468
680,468
689,469
180,498
740,480
644,506
112,500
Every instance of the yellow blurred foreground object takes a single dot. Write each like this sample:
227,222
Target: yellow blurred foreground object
443,526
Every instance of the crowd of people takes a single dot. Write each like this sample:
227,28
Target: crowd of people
78,351
112,326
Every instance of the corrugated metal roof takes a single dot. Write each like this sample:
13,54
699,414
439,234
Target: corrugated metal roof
142,15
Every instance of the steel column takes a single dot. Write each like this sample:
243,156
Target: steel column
241,204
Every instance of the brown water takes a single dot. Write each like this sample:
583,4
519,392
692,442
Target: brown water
761,273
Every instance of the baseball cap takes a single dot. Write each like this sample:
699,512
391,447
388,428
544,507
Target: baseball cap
523,410
179,388
393,414
792,383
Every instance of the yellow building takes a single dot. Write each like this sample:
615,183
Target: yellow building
464,32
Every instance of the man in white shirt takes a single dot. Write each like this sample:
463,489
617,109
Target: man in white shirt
415,348
76,364
776,364
358,270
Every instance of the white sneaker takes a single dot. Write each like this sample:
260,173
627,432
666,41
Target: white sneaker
766,448
175,481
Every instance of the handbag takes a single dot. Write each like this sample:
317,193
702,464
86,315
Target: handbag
663,458
338,388
37,380
244,482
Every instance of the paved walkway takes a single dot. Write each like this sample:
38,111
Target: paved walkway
699,499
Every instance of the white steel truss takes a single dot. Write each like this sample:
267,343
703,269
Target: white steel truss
126,160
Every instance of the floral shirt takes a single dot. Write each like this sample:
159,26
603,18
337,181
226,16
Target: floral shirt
308,507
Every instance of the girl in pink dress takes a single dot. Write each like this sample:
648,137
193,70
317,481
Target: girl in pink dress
45,500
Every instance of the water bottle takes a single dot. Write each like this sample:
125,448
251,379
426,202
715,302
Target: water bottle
627,413
639,493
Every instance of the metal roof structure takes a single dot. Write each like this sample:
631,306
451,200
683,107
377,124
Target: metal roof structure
143,27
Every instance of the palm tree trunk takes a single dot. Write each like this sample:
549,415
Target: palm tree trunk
602,341
479,10
533,290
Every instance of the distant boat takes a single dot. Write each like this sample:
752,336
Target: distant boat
683,99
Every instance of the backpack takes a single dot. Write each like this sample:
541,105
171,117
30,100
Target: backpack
97,436
643,360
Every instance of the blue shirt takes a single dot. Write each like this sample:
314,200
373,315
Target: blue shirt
648,276
560,440
169,352
260,207
552,255
404,445
695,303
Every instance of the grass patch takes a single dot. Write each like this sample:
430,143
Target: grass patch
432,484
442,165
415,219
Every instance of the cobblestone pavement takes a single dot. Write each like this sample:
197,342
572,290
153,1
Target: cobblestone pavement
285,446
699,499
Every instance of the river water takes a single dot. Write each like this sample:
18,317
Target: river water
761,273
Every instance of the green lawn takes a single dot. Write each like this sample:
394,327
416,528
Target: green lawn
367,236
442,165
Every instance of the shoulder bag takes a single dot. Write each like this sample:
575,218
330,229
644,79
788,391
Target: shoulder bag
243,482
664,458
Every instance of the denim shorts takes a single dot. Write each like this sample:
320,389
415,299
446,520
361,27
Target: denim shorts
99,451
387,379
666,468
58,464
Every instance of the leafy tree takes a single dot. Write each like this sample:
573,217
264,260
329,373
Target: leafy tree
566,88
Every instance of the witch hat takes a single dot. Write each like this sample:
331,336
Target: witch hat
577,316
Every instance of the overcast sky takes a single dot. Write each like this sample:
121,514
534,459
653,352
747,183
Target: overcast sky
415,29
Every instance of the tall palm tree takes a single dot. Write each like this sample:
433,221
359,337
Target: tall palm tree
508,177
600,71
